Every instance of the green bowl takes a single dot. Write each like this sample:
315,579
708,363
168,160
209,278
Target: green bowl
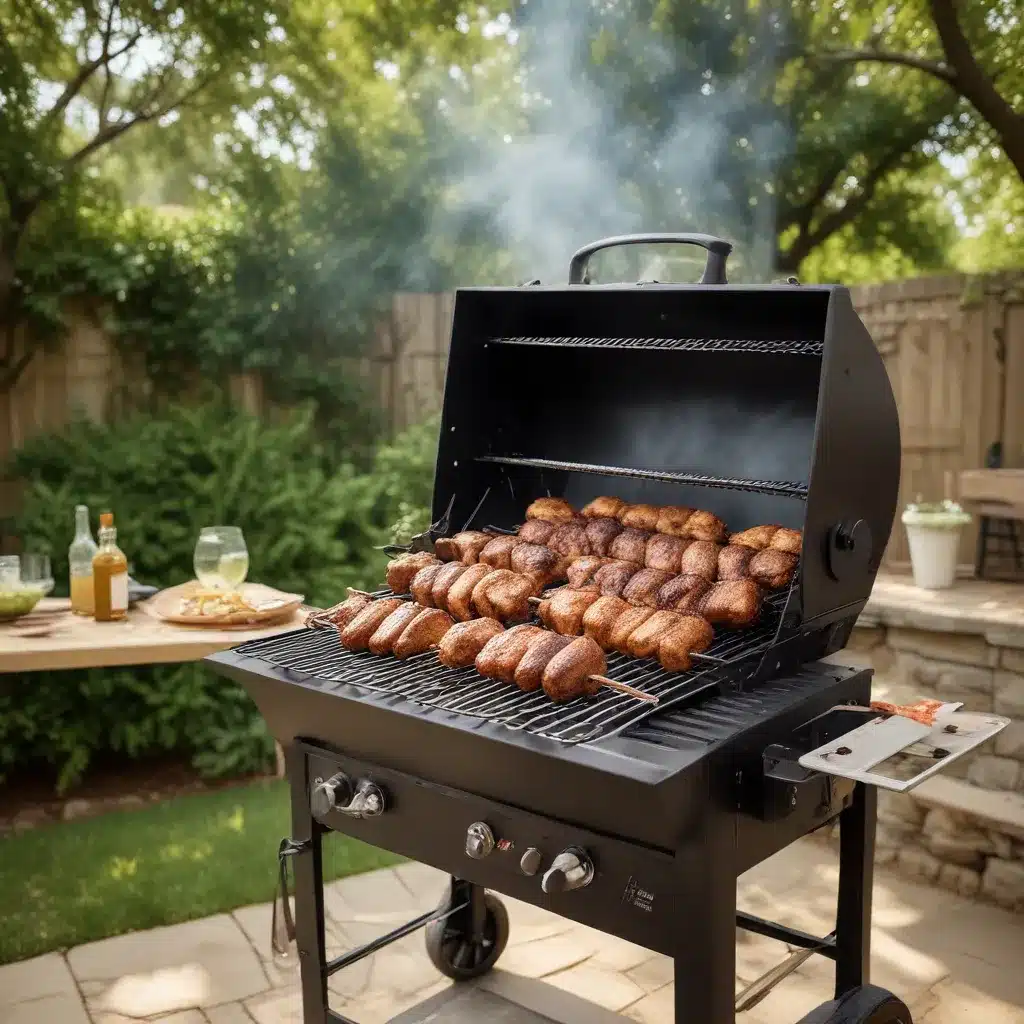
16,603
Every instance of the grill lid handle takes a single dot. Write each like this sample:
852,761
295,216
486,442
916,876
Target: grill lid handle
714,269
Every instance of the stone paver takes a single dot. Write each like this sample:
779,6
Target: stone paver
952,961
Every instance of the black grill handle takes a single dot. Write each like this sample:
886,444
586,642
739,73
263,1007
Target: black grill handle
714,269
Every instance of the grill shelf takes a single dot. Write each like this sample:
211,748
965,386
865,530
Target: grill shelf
791,348
421,679
786,489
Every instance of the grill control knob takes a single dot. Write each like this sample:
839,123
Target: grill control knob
571,869
479,840
367,803
327,796
530,863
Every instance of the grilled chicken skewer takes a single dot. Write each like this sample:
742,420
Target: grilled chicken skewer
340,615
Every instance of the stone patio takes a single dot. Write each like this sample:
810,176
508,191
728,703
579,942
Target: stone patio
952,960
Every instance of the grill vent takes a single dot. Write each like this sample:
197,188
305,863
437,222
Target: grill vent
769,347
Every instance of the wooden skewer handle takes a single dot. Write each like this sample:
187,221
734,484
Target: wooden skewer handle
632,691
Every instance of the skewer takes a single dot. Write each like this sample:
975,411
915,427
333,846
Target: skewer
632,691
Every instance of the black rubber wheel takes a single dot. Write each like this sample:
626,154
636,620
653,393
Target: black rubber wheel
865,1005
456,956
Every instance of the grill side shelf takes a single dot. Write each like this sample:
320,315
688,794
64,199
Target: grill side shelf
782,488
768,347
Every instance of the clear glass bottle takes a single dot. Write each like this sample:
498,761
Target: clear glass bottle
80,555
109,575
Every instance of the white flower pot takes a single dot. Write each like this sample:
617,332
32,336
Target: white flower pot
933,552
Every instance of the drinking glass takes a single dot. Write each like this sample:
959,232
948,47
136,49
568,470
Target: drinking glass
221,559
36,573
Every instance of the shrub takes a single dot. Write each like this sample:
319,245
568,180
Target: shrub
311,523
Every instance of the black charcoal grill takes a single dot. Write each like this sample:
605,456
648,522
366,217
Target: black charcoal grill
765,404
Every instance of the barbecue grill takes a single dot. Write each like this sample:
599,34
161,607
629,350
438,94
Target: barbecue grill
760,404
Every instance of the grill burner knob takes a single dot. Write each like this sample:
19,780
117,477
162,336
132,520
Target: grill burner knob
479,841
327,796
530,863
367,803
571,869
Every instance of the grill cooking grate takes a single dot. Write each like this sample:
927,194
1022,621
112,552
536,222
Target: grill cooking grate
791,348
786,489
421,679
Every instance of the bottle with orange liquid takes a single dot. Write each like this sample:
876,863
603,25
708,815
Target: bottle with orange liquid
109,575
80,556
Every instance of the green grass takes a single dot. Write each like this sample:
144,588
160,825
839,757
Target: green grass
62,885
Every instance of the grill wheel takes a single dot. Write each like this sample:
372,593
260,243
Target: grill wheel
455,955
865,1005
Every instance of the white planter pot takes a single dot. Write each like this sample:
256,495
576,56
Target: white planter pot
933,552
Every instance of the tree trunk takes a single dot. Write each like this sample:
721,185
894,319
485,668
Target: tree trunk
12,366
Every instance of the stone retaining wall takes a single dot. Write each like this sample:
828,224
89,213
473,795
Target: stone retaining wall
962,844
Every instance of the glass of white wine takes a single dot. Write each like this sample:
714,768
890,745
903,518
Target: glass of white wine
221,559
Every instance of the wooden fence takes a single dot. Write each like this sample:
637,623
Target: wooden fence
953,346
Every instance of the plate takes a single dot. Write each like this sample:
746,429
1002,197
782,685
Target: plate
272,607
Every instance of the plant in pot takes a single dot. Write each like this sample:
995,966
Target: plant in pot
933,532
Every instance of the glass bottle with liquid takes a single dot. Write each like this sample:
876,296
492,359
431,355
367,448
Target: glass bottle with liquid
109,574
80,555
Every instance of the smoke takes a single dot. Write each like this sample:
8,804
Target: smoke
610,126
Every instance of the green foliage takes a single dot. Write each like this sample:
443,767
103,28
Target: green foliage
311,525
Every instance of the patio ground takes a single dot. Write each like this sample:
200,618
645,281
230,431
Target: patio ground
953,961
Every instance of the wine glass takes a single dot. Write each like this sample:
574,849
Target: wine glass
36,573
221,559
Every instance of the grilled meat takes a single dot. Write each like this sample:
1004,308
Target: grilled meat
643,587
580,573
570,539
600,534
706,526
603,508
640,517
630,546
402,569
612,578
536,531
426,631
552,510
481,599
498,552
388,632
570,673
444,579
790,541
460,594
507,595
733,561
672,520
644,640
530,670
600,618
339,615
772,568
422,586
539,562
563,612
501,655
356,635
632,618
736,603
465,640
468,545
691,636
682,593
664,552
700,559
757,537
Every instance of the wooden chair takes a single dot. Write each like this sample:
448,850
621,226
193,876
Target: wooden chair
996,496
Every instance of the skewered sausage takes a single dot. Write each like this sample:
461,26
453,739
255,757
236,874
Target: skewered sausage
772,568
536,531
600,618
691,636
356,635
462,643
460,593
603,508
388,632
498,551
643,587
401,570
500,656
422,586
339,615
554,510
424,632
443,581
570,673
733,561
530,670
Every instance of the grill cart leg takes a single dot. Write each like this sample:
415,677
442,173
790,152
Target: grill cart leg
856,877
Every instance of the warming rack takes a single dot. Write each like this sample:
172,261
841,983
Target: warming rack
767,347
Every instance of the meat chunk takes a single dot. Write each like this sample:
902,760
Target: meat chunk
736,604
773,568
600,534
757,537
640,517
682,593
508,596
691,636
535,560
501,655
612,578
552,510
481,600
339,615
664,552
462,643
643,588
706,526
422,586
580,573
630,546
536,531
424,633
563,612
460,594
444,580
632,618
401,570
700,559
530,670
733,561
466,546
388,632
498,552
672,520
791,541
603,508
569,674
356,635
570,540
644,640
600,618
